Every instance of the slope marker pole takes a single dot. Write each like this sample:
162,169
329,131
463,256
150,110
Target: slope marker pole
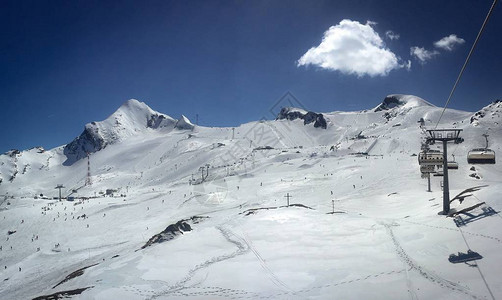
288,196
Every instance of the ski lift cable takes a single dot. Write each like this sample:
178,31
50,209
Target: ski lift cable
477,266
467,60
453,153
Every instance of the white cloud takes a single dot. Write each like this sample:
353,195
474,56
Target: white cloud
449,42
422,54
392,35
352,48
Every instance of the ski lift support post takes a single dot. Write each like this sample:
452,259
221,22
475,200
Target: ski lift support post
60,186
445,136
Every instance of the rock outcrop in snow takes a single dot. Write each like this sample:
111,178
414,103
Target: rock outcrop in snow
291,113
493,110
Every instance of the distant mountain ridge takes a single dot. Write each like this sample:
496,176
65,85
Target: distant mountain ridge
135,117
135,131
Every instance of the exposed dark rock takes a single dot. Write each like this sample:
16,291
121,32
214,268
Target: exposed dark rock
173,230
155,121
494,109
89,141
74,274
13,152
63,294
309,117
263,148
13,176
478,115
388,103
252,211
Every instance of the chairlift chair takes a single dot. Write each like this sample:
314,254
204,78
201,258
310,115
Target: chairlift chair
481,156
439,173
427,169
452,164
430,158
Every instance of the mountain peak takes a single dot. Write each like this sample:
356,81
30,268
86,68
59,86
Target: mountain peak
184,123
131,118
399,100
133,105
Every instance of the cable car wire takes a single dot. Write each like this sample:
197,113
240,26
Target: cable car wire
467,60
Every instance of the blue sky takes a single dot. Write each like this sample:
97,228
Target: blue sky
67,63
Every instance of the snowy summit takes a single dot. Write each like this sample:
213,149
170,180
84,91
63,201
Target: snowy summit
132,118
405,101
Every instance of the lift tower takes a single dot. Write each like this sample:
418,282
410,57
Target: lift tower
445,136
59,186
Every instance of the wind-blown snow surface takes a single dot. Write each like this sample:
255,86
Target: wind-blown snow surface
384,241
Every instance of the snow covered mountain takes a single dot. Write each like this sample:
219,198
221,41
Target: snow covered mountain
132,118
175,210
492,112
184,123
405,101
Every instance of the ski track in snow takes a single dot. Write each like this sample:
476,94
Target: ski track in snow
152,164
429,275
194,291
277,134
231,237
455,229
279,283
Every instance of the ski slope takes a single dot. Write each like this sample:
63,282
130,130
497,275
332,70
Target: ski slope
384,239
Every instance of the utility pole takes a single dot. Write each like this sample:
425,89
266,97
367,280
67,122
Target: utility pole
59,186
202,173
288,196
446,186
88,178
333,204
429,182
445,135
